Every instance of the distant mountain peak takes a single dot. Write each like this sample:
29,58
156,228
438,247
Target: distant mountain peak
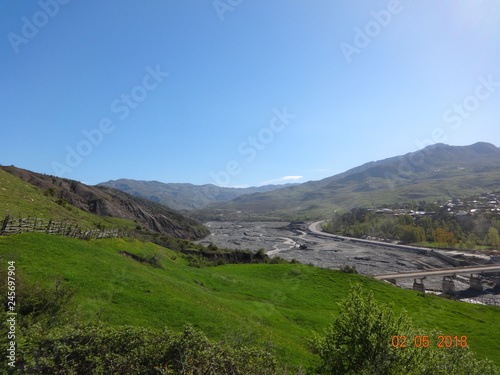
434,172
485,147
478,146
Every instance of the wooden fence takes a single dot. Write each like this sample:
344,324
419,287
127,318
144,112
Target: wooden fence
32,224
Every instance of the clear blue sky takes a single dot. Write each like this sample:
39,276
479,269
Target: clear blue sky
241,93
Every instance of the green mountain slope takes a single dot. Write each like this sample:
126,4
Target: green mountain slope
19,198
100,201
281,304
438,171
184,196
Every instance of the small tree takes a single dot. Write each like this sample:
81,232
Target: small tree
360,342
494,238
260,254
408,234
212,247
444,238
420,234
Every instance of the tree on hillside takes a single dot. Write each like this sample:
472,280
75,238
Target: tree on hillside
408,234
420,234
360,342
494,238
427,225
444,238
405,220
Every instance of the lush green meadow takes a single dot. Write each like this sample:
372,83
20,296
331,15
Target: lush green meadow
278,304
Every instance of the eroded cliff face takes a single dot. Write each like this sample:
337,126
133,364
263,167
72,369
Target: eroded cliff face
107,201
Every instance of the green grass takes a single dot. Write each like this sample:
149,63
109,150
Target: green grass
281,303
20,198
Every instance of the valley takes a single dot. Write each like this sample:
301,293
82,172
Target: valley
307,245
182,269
238,187
437,172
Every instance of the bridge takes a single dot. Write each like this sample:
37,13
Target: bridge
448,284
440,272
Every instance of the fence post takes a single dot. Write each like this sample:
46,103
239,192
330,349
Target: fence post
47,230
4,224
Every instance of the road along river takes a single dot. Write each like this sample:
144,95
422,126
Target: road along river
307,244
285,240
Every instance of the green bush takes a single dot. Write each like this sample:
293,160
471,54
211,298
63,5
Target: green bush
348,269
212,247
97,349
260,254
50,192
360,342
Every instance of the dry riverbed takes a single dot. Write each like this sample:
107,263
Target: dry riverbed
292,241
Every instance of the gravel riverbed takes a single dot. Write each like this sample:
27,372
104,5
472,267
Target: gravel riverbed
292,241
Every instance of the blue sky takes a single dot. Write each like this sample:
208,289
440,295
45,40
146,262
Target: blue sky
240,92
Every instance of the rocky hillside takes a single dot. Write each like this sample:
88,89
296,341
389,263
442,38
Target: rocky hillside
105,201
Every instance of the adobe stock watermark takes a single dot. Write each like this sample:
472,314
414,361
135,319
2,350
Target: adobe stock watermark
454,117
31,26
122,108
363,36
253,145
221,7
462,111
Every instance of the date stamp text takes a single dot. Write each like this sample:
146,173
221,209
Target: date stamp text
425,341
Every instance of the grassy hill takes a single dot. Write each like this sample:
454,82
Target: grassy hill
20,198
43,194
276,303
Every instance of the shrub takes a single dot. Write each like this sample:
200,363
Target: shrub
96,349
50,192
260,254
62,202
359,342
348,269
212,247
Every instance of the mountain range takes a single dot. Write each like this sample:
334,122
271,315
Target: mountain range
438,171
183,196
